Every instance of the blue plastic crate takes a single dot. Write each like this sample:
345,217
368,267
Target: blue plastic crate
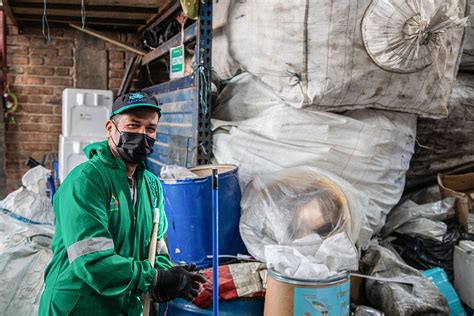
440,279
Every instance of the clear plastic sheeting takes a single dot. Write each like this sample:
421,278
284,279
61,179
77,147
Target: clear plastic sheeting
369,149
31,200
174,172
302,221
25,250
311,52
421,298
409,35
420,219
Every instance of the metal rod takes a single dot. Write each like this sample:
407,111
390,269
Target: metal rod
215,241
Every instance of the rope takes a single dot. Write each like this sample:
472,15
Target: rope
83,14
204,71
45,24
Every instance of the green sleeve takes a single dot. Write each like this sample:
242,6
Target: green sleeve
89,244
162,259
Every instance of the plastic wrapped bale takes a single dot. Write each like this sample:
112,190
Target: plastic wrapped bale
370,149
31,201
302,221
386,54
423,220
25,250
422,298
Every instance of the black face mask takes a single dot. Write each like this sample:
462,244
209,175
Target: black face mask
134,148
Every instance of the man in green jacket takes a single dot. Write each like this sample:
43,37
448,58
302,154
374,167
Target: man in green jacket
104,219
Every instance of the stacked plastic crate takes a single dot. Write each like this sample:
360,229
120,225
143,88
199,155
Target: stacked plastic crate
84,113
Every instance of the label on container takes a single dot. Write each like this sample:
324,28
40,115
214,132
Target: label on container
325,301
177,62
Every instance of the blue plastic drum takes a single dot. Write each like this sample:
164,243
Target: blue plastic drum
237,307
188,207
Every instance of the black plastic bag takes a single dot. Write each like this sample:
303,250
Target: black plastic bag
423,253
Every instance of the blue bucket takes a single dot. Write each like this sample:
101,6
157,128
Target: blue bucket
237,307
188,207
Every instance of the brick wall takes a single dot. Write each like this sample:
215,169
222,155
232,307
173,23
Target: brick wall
38,73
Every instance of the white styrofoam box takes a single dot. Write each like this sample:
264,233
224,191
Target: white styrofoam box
85,112
71,154
464,271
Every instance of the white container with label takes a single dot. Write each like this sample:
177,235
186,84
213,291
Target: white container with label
71,152
85,111
464,271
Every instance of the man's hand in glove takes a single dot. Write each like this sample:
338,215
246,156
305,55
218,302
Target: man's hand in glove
177,282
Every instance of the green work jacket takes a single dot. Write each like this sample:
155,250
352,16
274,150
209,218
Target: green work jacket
101,242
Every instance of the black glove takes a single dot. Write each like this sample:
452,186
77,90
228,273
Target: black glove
177,282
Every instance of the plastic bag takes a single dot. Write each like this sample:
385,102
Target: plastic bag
369,149
312,53
31,201
308,215
25,250
422,298
174,172
414,219
426,253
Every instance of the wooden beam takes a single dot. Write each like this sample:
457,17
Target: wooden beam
189,34
51,13
127,28
125,3
8,11
90,7
108,39
167,13
69,19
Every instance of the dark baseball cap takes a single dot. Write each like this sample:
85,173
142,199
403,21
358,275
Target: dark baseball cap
134,100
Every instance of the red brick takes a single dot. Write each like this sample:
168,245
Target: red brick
116,74
36,60
53,119
19,60
18,50
45,52
117,65
59,61
62,71
116,55
37,147
36,90
42,71
40,109
57,109
16,69
35,127
17,40
18,80
59,82
114,83
39,137
13,30
53,99
65,51
35,99
56,128
38,42
35,80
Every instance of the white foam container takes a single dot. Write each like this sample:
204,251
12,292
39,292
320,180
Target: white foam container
85,111
71,152
464,271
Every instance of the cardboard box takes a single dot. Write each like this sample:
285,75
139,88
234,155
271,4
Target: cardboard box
462,188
